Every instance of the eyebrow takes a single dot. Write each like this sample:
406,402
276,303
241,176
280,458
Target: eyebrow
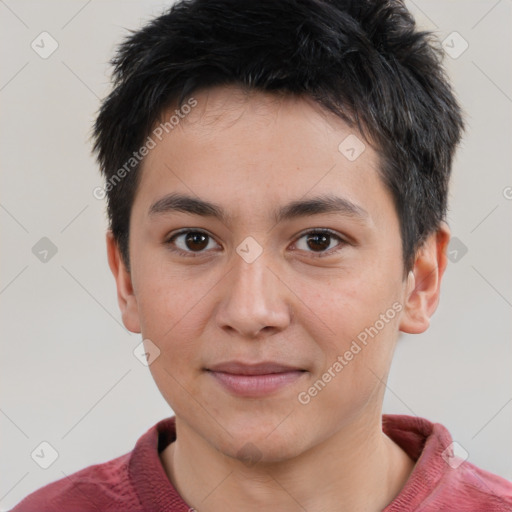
176,202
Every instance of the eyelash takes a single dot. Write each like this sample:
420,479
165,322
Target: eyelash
191,254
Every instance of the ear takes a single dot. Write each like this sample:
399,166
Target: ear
125,294
424,282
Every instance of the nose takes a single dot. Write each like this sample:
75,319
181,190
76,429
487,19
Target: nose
254,300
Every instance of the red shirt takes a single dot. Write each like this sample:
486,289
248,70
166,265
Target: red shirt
137,482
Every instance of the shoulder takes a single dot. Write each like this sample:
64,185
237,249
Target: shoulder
441,480
473,488
476,488
103,486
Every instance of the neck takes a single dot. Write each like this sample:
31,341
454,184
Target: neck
358,469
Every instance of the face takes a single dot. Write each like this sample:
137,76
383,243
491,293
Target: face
266,266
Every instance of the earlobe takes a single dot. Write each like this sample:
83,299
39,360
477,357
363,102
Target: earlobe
125,294
424,282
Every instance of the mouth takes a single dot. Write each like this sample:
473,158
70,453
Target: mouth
254,380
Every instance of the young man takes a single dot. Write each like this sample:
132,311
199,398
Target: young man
276,175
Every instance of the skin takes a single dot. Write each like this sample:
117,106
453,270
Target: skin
252,154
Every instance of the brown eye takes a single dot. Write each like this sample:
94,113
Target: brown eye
190,242
196,241
321,242
318,241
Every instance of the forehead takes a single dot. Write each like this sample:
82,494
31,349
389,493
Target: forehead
219,108
234,144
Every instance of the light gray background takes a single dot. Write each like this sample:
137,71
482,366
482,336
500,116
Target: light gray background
68,374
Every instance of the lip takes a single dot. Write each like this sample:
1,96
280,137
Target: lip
254,380
263,368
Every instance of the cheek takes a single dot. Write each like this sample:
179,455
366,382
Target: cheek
170,310
354,323
347,303
354,364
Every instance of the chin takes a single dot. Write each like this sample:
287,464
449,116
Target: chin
251,453
260,444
